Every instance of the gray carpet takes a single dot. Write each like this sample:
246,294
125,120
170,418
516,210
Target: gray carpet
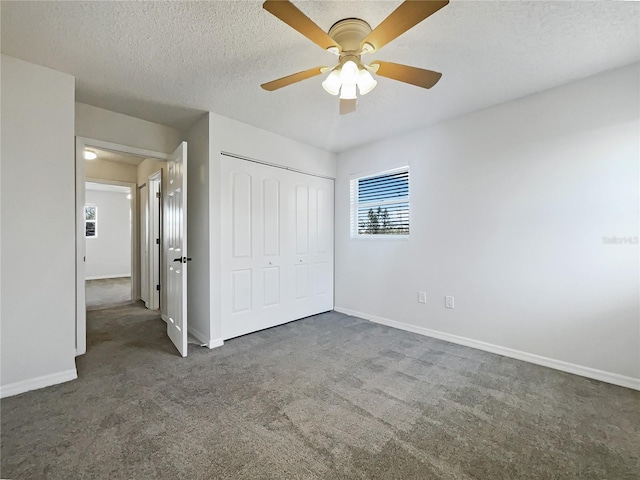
107,292
327,397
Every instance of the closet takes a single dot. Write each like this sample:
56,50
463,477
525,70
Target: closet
277,245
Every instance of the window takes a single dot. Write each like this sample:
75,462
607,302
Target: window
380,204
90,221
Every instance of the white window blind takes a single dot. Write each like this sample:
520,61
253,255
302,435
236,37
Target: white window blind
380,204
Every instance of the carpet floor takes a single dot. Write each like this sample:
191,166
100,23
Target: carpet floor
107,292
326,397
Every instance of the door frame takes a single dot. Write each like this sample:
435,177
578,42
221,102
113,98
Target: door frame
81,305
143,225
154,220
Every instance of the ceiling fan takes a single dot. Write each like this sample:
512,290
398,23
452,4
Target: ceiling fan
349,39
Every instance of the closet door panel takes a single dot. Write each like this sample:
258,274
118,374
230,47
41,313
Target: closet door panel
277,246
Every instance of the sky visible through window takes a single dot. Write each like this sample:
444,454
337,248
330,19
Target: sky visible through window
383,204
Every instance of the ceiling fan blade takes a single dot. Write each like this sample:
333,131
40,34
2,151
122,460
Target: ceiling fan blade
404,73
289,79
406,16
347,106
289,14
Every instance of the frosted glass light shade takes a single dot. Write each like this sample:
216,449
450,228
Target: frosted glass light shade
89,155
366,82
332,83
348,91
349,72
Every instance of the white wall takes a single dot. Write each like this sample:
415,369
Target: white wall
509,209
148,167
38,225
109,254
226,135
100,124
198,282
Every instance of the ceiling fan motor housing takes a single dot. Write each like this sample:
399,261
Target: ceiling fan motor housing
349,33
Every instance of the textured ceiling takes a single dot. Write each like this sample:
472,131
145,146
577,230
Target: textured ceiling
169,61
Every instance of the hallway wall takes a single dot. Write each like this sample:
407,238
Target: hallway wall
109,252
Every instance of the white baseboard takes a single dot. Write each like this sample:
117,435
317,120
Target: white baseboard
608,377
210,343
201,337
164,317
104,277
38,382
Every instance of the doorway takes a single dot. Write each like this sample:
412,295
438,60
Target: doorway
109,258
117,165
150,240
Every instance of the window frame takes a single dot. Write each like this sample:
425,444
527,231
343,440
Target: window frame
355,205
94,221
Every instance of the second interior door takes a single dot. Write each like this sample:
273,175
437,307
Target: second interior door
277,258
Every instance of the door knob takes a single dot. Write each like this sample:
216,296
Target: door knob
182,259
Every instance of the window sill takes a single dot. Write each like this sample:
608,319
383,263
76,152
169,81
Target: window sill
380,237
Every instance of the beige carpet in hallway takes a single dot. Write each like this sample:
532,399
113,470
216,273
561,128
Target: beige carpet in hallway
107,292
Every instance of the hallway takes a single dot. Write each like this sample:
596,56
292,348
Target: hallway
107,292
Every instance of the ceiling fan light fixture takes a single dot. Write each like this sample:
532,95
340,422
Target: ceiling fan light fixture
366,82
349,73
332,83
348,91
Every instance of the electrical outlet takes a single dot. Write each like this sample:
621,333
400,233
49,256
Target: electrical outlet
422,297
448,302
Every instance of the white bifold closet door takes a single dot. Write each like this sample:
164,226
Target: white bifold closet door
277,246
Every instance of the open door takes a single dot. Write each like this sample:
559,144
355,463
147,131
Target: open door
175,248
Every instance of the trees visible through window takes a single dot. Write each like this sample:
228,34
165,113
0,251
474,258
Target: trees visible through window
380,204
90,221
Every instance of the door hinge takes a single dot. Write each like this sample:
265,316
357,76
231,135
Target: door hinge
157,194
157,241
158,287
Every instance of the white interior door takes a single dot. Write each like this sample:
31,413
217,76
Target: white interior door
277,258
175,248
144,245
155,221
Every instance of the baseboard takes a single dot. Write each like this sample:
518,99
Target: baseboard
38,382
608,377
104,277
210,343
164,317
